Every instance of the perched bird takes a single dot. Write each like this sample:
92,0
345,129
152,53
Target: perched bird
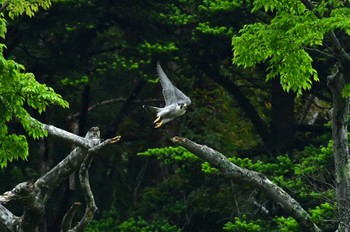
176,102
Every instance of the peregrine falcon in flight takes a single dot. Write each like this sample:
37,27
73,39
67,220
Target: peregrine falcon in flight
176,102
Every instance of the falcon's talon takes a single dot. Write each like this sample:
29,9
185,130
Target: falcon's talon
158,124
157,120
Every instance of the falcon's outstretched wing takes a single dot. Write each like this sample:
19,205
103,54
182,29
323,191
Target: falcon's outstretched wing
181,97
167,86
172,95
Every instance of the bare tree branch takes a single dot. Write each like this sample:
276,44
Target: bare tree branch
68,218
70,137
34,195
71,163
7,218
90,208
320,53
256,179
337,47
33,202
344,56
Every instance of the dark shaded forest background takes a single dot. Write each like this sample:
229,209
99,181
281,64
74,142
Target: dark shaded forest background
101,57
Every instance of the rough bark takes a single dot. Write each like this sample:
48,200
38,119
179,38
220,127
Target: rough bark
74,125
258,180
69,137
34,195
7,219
339,119
91,207
71,163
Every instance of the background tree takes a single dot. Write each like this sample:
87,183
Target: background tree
284,42
18,92
101,56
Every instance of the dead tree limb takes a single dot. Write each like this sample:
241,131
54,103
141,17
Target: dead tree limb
68,218
34,195
90,208
255,179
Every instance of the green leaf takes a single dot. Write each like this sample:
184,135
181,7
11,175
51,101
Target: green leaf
281,45
19,89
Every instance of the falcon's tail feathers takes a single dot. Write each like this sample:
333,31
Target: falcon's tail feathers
152,109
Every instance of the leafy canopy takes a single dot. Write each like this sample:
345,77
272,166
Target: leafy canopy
18,7
299,173
19,89
282,42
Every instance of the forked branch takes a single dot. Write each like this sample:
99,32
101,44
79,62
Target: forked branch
34,195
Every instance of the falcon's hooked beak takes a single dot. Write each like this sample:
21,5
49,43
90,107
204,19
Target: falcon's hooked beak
183,106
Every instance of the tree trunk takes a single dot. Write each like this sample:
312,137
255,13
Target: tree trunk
282,118
339,119
261,127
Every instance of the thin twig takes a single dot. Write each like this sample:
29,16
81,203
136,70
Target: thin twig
68,217
4,6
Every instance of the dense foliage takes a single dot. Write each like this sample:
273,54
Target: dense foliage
191,195
18,89
101,55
